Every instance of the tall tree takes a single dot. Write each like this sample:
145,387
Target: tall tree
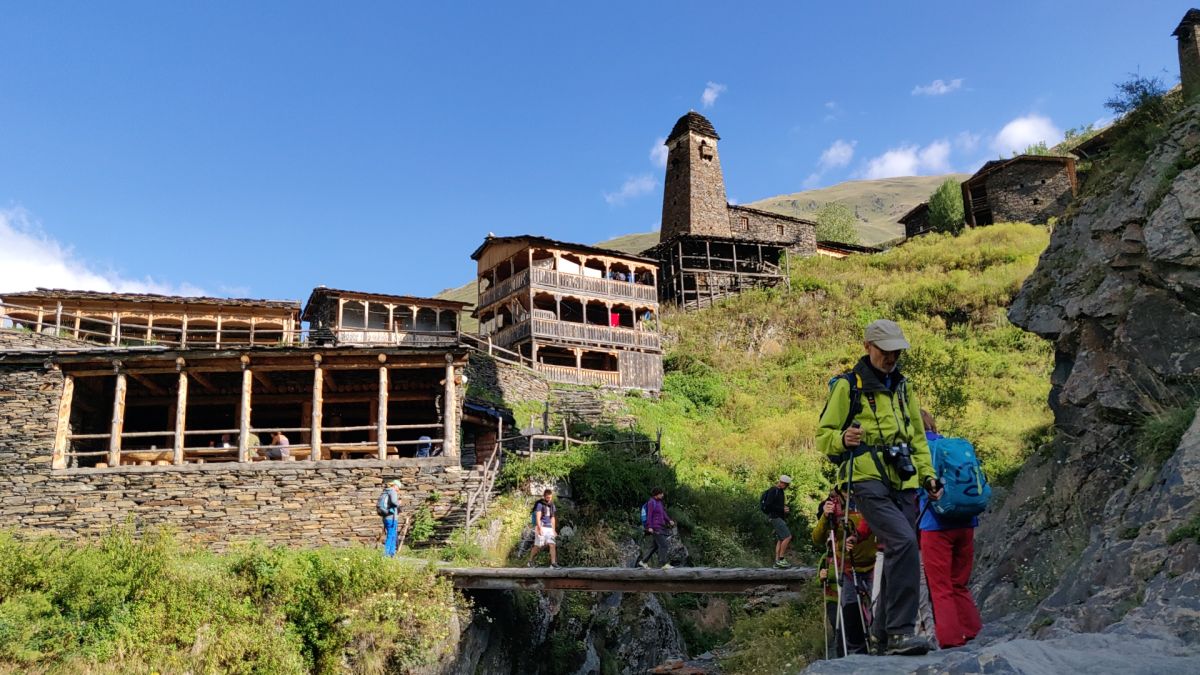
836,222
946,207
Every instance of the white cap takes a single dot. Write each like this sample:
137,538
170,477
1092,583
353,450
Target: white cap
886,335
785,479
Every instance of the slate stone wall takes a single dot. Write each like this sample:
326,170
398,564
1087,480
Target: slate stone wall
1029,192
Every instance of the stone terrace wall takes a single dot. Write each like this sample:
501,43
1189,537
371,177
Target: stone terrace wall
499,381
295,503
1029,192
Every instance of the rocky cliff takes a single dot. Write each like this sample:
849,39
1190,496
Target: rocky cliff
1090,560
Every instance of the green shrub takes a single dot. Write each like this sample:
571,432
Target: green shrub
780,640
836,222
1159,434
139,604
946,207
423,525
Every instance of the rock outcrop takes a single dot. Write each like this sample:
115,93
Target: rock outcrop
1081,540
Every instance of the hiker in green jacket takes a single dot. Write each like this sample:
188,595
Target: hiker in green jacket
871,429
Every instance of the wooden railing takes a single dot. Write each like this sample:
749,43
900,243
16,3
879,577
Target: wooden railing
593,286
408,338
571,375
503,289
625,337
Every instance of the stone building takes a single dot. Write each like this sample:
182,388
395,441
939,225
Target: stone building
1026,188
916,221
709,248
1188,34
578,314
149,319
95,435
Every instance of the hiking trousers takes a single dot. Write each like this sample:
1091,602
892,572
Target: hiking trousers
659,546
892,516
389,536
949,556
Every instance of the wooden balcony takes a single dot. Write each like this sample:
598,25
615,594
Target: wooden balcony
570,375
562,281
567,283
598,335
357,336
503,289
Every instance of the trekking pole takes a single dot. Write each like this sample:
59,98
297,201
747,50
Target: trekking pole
825,619
837,584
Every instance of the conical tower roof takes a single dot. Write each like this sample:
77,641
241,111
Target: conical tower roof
693,121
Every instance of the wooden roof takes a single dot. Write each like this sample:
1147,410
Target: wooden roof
694,122
771,214
914,212
553,243
320,293
43,294
842,247
995,165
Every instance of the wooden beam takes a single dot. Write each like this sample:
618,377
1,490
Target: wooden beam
317,408
59,460
330,382
263,379
203,380
148,383
181,398
244,421
450,416
678,580
118,421
381,416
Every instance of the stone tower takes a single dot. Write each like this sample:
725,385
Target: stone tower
1188,34
694,189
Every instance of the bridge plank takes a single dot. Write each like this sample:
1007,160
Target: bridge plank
676,580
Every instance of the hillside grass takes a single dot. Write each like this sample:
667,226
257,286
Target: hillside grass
876,203
147,603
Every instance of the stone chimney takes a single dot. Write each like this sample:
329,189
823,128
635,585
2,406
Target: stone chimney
1188,34
694,188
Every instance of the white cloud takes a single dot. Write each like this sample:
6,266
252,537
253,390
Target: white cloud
29,259
938,87
658,152
635,186
711,92
910,160
1025,131
837,155
967,141
832,111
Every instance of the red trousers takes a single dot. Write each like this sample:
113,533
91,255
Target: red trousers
948,556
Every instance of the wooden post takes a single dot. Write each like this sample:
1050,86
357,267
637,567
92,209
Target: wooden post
244,423
118,422
180,417
41,317
183,331
76,326
787,268
450,414
58,318
315,433
217,338
115,329
383,407
59,460
566,435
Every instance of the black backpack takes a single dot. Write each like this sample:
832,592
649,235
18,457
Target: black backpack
762,501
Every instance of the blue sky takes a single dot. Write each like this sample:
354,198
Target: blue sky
259,149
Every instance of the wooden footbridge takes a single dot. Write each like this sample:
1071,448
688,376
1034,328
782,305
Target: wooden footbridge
635,580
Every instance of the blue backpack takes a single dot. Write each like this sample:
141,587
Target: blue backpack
643,516
956,464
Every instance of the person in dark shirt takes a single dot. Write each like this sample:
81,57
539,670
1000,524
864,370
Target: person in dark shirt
545,523
776,508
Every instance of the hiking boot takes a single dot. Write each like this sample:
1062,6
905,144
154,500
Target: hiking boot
530,564
643,564
782,564
906,645
668,566
555,565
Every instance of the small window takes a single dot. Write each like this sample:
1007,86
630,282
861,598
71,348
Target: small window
1036,201
1020,186
1043,181
377,316
779,226
744,223
706,151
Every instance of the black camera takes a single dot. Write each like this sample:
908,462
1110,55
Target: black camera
900,457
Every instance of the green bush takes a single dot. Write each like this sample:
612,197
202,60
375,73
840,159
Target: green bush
836,222
1159,434
148,603
946,207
